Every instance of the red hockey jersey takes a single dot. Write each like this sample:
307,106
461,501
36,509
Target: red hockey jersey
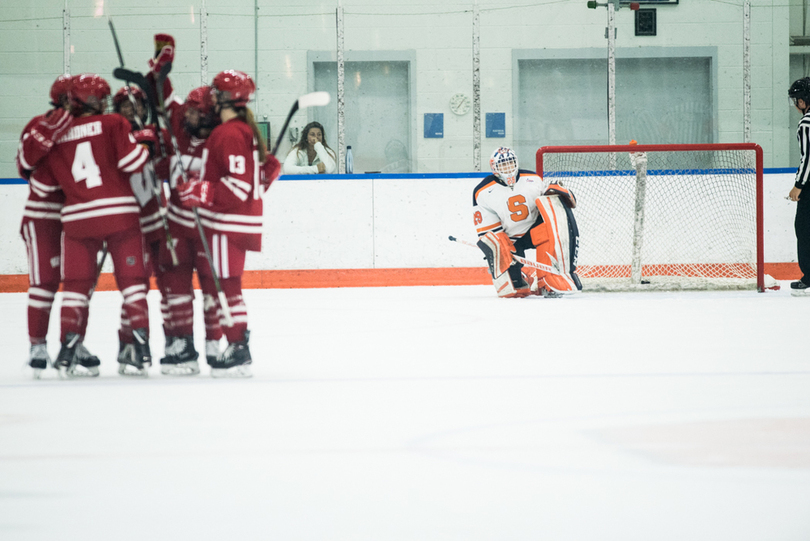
231,163
92,162
45,197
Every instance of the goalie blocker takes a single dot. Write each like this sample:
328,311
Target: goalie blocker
555,237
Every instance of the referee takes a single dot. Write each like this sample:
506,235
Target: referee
799,94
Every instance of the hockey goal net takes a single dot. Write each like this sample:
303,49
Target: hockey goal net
664,217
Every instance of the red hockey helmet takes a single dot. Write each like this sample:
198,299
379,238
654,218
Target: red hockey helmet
59,89
121,96
88,91
200,99
233,88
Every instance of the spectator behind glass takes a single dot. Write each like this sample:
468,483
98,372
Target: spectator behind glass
311,155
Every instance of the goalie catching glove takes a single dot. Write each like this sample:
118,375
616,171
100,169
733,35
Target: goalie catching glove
566,195
195,192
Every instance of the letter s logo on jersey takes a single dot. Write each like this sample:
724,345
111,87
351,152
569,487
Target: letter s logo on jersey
477,218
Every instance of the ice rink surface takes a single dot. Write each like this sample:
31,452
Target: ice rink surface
427,413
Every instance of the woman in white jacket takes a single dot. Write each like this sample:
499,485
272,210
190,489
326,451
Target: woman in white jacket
311,155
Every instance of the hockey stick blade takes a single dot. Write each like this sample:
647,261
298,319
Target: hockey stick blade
314,99
130,76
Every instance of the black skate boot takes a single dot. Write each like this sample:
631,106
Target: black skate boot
86,363
799,289
181,357
39,359
135,359
66,359
235,361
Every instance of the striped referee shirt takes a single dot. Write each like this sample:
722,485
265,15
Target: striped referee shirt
803,135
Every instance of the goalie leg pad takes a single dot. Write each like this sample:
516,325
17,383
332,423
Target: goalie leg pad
498,249
512,283
557,242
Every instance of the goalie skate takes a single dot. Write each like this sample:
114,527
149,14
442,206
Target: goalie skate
235,361
39,359
181,358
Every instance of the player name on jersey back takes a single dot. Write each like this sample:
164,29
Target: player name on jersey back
80,132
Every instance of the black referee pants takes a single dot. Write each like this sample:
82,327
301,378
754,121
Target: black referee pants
802,227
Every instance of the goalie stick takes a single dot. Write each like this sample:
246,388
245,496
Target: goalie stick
527,262
156,187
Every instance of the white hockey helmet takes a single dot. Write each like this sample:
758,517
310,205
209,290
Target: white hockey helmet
504,164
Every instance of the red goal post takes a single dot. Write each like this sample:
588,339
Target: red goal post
664,217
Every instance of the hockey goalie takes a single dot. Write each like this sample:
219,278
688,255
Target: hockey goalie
515,210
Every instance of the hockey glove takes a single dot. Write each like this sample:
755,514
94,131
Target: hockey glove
270,171
164,52
195,192
50,128
148,138
566,195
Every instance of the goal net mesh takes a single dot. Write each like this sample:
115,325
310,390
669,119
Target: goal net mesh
667,217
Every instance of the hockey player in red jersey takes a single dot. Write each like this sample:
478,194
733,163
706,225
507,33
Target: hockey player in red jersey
514,210
92,162
228,195
147,186
191,123
42,229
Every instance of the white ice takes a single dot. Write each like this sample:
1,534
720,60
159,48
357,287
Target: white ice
427,413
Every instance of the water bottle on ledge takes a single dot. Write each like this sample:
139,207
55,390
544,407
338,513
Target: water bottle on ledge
349,161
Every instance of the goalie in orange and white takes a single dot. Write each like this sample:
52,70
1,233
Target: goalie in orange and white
515,210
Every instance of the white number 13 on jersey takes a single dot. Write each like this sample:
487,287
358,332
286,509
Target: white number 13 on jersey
237,164
85,166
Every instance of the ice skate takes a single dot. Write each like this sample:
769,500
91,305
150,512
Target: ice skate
211,351
799,289
66,359
135,359
86,363
234,362
39,359
181,357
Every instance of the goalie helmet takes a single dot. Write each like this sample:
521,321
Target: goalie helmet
800,90
504,164
88,92
233,88
59,89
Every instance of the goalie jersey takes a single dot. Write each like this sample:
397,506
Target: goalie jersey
496,207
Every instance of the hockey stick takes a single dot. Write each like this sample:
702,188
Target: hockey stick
527,262
156,186
313,99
